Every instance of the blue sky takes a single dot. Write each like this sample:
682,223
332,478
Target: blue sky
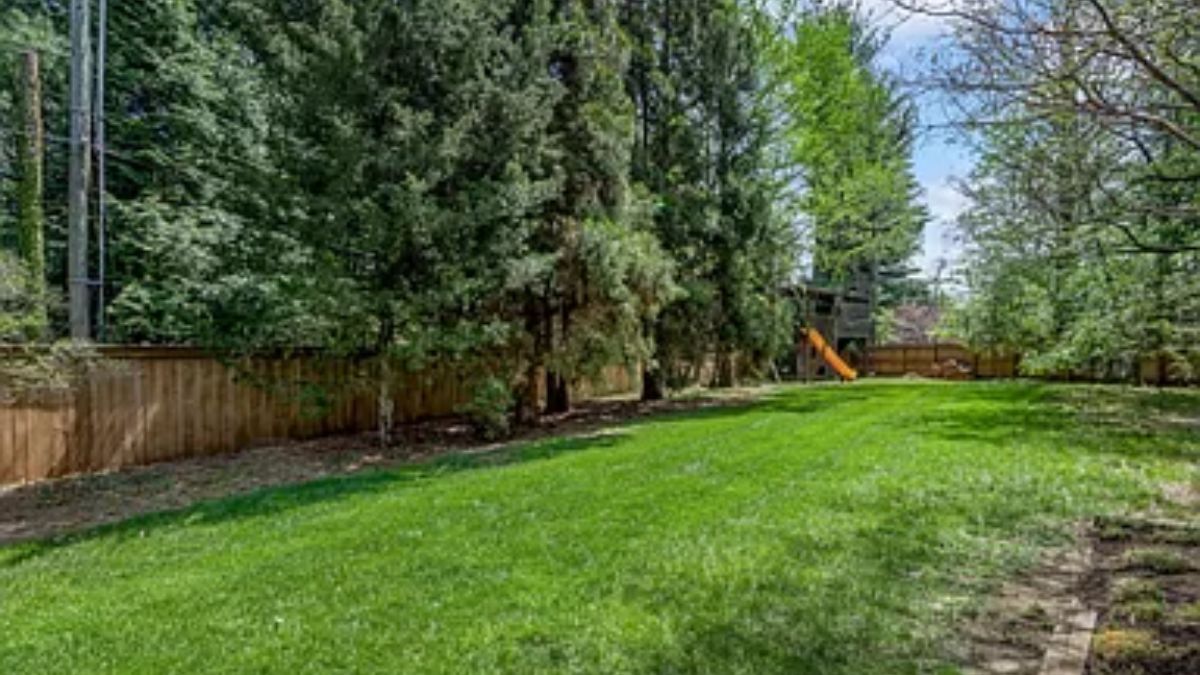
938,160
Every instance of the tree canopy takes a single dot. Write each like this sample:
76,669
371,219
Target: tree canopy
1083,230
561,184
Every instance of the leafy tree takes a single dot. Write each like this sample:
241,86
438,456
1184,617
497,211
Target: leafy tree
1083,220
851,131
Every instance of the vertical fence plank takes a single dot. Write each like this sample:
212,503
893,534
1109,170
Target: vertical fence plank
21,436
59,418
8,432
256,401
210,401
229,409
136,416
125,419
242,404
166,432
40,427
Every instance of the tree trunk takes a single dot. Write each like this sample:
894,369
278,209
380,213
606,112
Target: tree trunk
30,214
558,393
558,387
528,399
652,384
387,405
724,377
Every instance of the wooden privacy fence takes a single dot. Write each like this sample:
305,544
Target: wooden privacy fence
955,360
145,405
941,360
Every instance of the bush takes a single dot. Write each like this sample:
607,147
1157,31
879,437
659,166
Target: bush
21,319
30,370
490,409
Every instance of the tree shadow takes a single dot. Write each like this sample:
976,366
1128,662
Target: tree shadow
270,501
1000,417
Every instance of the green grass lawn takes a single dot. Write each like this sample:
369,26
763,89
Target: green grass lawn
839,529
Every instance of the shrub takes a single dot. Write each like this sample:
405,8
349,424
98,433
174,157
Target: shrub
490,408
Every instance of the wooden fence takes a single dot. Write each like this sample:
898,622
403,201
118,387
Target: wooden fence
940,360
145,405
955,360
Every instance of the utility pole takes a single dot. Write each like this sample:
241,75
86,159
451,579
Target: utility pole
101,205
79,285
31,216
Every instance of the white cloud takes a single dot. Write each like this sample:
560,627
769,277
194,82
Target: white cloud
945,202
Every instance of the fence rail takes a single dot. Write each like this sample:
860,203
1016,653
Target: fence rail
142,406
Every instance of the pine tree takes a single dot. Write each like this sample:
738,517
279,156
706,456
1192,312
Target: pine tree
703,155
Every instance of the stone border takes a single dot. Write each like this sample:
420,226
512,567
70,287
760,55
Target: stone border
1067,653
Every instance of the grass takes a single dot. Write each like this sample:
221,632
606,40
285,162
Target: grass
1156,560
840,529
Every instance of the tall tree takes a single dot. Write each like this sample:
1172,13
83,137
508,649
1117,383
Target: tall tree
703,155
852,133
602,273
1084,208
31,223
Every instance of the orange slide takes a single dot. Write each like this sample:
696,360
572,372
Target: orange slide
830,355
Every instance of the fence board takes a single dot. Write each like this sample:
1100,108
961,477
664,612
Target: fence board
8,468
22,435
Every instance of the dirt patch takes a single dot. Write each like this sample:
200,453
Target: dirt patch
1146,585
1014,632
77,503
1135,581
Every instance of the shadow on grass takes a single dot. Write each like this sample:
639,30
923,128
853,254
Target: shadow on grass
273,500
268,501
822,605
1000,416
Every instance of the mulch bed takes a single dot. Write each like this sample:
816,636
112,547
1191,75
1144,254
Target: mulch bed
1145,582
52,508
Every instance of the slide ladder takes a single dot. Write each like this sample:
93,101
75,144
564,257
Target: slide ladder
829,355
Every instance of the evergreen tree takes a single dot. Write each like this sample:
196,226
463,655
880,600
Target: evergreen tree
702,153
852,134
602,275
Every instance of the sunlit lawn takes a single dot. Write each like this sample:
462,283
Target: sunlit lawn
835,529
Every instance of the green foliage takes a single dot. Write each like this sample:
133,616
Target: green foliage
1049,274
490,409
22,213
1082,234
566,183
33,371
851,131
699,78
19,312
